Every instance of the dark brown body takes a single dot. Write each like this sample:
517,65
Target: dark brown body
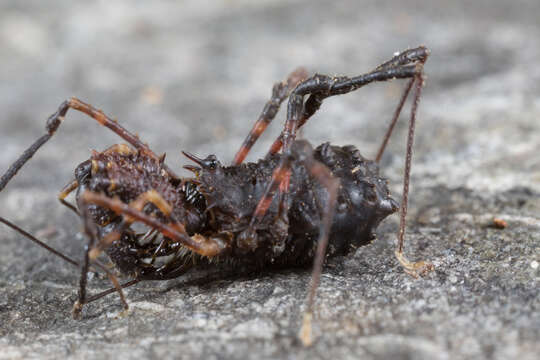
297,206
221,200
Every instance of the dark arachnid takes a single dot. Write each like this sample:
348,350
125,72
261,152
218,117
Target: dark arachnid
297,206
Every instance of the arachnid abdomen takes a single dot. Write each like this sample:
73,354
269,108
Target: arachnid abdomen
232,194
363,202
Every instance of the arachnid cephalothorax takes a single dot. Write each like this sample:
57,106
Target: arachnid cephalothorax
299,205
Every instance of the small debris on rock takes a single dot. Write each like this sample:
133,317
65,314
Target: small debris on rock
499,223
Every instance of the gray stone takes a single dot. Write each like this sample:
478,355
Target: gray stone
194,76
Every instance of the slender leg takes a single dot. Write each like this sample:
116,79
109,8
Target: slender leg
247,239
394,120
170,270
91,232
280,92
95,247
68,189
406,64
320,87
174,272
406,57
110,291
330,86
320,172
150,196
38,242
301,150
84,269
54,121
205,246
420,267
134,212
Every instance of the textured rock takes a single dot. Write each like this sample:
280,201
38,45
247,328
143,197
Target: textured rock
194,76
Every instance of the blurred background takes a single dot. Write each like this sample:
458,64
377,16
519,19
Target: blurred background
194,75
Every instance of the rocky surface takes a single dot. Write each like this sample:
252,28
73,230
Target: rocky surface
194,75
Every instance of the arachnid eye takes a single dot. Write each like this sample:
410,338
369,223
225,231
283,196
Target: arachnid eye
211,162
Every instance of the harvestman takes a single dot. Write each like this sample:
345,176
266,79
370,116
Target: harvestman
297,206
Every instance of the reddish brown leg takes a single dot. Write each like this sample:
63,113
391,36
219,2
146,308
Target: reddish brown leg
247,239
420,267
91,232
72,185
175,231
280,92
324,176
150,196
301,150
395,117
54,121
133,212
407,64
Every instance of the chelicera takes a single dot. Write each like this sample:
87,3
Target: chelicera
298,206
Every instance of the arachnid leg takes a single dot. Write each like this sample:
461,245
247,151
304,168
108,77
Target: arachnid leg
324,176
54,121
37,241
85,268
91,231
68,189
205,246
395,118
150,196
303,153
169,271
280,92
247,239
319,87
406,64
413,268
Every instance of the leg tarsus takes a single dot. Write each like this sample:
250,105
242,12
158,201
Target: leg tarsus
415,269
76,311
306,333
418,268
408,161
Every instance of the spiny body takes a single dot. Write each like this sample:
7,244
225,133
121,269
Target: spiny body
235,215
221,200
